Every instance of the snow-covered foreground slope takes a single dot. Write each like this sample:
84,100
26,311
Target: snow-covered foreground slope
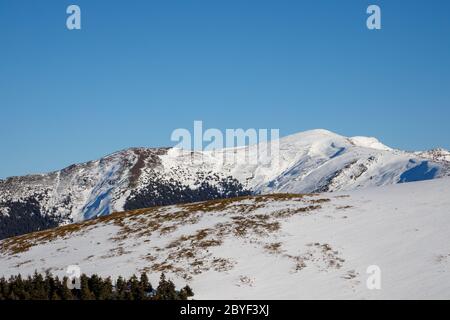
311,161
265,247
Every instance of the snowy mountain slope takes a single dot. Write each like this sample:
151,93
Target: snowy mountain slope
311,161
440,155
277,246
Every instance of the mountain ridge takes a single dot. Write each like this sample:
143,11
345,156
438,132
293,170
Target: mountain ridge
308,162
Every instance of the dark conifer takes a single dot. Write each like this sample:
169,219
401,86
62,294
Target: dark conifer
166,290
85,291
94,287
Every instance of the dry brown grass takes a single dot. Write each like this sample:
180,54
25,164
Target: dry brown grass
286,213
165,267
273,248
197,240
221,264
344,207
166,230
116,252
317,201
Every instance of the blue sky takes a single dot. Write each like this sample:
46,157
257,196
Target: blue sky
140,69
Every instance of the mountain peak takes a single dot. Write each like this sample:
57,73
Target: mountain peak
369,142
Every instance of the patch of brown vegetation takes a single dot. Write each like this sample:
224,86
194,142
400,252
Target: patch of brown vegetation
236,205
286,213
322,256
273,248
165,267
257,224
351,274
343,207
197,240
281,197
317,201
221,264
244,280
144,157
115,252
211,206
166,230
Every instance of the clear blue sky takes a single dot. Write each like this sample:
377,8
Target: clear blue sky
139,69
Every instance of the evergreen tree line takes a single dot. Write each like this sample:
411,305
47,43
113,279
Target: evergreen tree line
48,287
169,192
24,217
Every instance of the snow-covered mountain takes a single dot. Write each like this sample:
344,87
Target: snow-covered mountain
279,246
308,162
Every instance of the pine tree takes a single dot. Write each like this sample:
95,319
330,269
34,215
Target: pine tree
108,289
166,289
19,288
38,286
121,287
3,288
85,291
186,293
145,286
137,292
95,285
55,296
51,286
64,292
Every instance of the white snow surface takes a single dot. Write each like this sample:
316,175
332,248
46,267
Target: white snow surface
266,247
369,142
439,154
